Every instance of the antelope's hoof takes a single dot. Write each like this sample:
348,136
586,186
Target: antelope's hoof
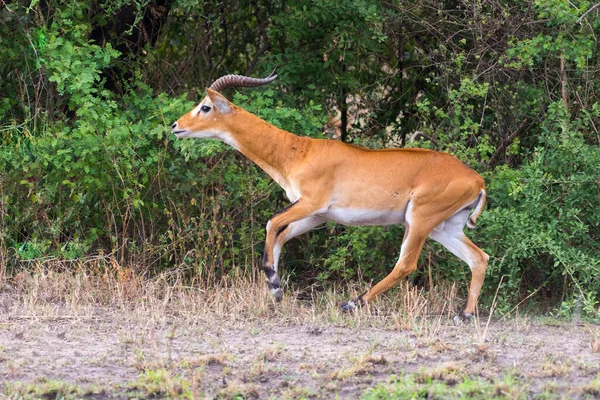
460,318
349,306
277,294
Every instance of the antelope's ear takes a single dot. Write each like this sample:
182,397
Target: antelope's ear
219,102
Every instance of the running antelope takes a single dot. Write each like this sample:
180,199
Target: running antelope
431,193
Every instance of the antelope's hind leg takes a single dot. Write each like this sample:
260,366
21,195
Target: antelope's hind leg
452,237
284,234
409,254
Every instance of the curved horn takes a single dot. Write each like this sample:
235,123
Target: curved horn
228,81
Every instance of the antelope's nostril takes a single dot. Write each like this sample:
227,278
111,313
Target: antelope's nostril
174,125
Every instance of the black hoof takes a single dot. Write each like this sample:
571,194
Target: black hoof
462,317
353,305
277,294
349,306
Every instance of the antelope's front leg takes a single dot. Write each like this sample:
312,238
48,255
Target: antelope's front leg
269,264
284,225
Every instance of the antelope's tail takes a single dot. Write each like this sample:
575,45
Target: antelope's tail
471,222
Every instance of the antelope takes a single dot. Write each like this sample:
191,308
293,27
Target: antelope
431,193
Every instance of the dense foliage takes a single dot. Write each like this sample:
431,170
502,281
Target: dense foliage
89,89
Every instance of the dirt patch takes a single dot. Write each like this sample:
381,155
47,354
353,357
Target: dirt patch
74,334
114,355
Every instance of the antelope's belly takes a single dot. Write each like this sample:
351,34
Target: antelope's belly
358,217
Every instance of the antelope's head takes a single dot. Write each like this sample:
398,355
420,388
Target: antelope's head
207,119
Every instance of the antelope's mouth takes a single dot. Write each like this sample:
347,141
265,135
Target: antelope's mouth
179,133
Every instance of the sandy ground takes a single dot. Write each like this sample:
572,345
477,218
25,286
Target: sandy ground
266,360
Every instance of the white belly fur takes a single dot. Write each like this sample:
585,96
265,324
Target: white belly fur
359,217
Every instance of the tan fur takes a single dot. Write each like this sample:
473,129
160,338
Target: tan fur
328,180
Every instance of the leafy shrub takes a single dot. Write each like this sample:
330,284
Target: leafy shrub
542,228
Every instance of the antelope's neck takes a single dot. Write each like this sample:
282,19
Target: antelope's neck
274,150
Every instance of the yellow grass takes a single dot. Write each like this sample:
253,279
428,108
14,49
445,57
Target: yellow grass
85,289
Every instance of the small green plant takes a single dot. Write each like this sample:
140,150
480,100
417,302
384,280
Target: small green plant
405,387
50,388
161,382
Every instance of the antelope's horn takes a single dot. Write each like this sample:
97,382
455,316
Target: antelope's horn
229,81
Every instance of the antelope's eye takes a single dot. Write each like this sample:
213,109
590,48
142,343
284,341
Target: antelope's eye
205,108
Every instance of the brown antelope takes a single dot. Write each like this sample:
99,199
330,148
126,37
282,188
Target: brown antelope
431,193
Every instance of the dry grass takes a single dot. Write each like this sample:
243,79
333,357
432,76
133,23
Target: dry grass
450,373
595,345
55,290
208,359
361,365
82,290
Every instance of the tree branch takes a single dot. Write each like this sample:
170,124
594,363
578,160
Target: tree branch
506,143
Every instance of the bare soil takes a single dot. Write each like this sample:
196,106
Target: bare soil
108,354
69,333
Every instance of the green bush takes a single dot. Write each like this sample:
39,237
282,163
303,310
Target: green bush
542,227
88,167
